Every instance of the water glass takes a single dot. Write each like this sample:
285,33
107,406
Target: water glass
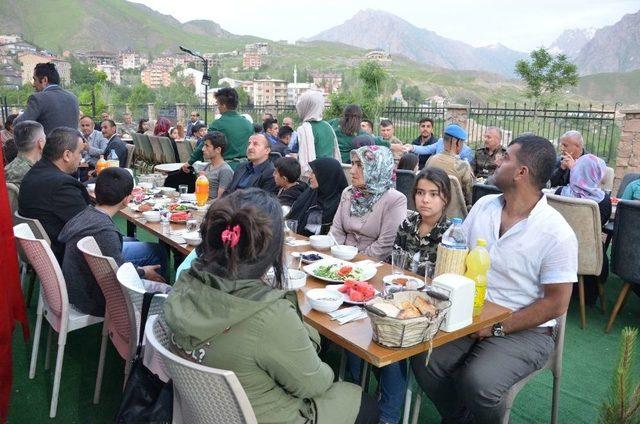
429,273
165,225
290,227
398,261
192,225
183,189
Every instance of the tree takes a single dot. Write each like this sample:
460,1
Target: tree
83,74
545,74
412,94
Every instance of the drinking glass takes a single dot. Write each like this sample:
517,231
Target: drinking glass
290,227
165,225
192,225
398,261
429,273
183,189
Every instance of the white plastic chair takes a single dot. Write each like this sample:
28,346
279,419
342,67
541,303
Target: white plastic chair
53,302
204,394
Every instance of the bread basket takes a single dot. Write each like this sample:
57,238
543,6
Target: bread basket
394,332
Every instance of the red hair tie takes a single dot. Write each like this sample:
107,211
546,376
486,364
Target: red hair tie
231,236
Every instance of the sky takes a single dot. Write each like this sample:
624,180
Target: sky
520,25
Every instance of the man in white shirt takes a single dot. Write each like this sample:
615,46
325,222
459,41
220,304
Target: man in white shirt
534,262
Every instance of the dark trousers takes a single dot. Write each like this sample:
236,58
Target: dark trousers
467,379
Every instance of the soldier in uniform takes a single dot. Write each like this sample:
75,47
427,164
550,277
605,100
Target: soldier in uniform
484,164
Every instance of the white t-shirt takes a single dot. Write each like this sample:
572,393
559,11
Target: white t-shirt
541,249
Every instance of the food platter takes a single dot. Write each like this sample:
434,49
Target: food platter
335,270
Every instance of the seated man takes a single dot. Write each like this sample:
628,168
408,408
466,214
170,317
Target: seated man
387,133
48,192
95,141
367,126
258,171
113,192
453,141
286,176
534,261
631,191
466,153
29,138
484,164
571,148
284,138
270,129
114,142
217,170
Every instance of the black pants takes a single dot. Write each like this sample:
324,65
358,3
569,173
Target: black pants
175,178
368,413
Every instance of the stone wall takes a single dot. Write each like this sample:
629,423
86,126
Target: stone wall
628,157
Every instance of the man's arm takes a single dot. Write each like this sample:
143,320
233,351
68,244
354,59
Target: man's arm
32,112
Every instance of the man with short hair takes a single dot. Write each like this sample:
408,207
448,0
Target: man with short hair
30,139
438,147
534,262
194,118
425,138
113,192
94,141
270,128
571,148
128,127
395,144
199,131
103,117
48,192
258,171
454,137
367,126
218,172
52,106
484,162
292,147
114,142
284,139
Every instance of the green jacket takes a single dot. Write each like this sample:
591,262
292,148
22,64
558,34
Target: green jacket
237,130
255,331
345,141
323,138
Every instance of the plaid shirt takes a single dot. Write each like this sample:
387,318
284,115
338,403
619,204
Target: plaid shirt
409,240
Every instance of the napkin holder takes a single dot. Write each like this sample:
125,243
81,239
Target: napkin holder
460,290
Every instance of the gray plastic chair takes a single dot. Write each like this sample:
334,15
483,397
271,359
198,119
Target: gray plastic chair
481,190
184,150
38,232
204,394
168,153
157,149
147,150
405,180
130,152
608,227
625,257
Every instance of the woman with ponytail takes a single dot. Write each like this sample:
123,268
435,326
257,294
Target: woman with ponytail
224,313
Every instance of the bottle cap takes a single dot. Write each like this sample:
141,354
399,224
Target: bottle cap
456,220
201,174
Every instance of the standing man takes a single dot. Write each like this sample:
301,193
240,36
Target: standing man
271,128
194,118
425,138
94,141
52,106
29,138
534,262
484,164
114,142
218,172
128,127
387,132
258,171
571,148
293,143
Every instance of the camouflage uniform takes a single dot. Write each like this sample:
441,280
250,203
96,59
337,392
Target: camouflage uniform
16,170
409,240
484,164
457,167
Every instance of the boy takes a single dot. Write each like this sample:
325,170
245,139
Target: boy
286,176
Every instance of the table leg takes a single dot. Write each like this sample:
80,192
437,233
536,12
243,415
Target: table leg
131,229
343,365
364,375
407,397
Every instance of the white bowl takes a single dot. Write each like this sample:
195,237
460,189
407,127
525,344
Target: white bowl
297,279
344,252
324,300
151,216
167,190
321,242
193,238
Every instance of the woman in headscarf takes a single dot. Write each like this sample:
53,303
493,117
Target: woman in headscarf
317,205
371,209
316,138
584,183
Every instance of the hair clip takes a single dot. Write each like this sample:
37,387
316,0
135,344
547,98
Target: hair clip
231,236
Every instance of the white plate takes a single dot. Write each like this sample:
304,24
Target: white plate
389,278
168,167
345,296
367,271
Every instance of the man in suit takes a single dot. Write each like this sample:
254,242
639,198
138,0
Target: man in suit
258,171
52,106
48,192
108,128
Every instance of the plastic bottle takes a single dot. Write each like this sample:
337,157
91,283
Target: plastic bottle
454,237
113,159
478,263
202,189
101,164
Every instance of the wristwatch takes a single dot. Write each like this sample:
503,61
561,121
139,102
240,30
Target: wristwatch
497,330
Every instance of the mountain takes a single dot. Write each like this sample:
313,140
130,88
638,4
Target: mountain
611,88
571,41
109,25
374,29
614,48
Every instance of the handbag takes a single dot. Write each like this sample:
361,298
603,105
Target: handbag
146,398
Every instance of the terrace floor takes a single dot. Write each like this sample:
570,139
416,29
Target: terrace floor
589,358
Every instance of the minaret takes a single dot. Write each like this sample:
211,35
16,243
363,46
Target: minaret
295,74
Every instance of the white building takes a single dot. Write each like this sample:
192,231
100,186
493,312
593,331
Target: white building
113,73
130,60
195,77
233,83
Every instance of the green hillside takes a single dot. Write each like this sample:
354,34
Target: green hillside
614,87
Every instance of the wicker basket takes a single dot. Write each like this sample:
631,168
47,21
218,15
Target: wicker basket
450,261
393,332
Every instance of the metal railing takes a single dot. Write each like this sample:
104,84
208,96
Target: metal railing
405,119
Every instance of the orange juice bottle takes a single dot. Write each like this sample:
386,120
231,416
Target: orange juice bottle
101,164
478,263
202,189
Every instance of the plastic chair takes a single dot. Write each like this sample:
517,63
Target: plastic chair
624,252
405,180
274,156
38,231
117,323
204,394
157,149
554,363
168,153
184,150
130,152
583,216
147,149
13,192
53,302
135,137
608,227
346,168
457,207
481,190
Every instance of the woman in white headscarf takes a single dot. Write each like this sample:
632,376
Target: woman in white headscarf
316,138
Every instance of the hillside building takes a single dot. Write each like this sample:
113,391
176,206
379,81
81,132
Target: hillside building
260,48
269,92
113,73
329,82
251,60
155,76
131,60
30,60
96,58
378,56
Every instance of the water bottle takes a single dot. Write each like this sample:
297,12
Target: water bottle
454,237
113,159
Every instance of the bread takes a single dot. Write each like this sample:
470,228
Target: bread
389,309
424,307
406,304
410,312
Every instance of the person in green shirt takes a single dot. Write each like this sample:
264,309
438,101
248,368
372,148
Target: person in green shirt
347,127
632,191
234,126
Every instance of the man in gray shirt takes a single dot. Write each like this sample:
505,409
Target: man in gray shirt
94,141
217,170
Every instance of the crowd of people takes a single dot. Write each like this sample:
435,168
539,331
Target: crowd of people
222,312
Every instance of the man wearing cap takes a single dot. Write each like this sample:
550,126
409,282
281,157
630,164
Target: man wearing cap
438,147
450,162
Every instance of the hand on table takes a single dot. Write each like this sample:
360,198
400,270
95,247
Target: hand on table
185,168
482,334
151,274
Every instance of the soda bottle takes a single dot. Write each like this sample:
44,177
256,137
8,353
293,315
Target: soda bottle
478,263
101,164
113,159
202,189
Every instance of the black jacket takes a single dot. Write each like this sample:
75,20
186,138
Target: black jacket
52,197
560,177
418,142
262,177
120,148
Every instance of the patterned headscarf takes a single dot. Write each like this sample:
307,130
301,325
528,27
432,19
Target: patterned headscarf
585,177
379,176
